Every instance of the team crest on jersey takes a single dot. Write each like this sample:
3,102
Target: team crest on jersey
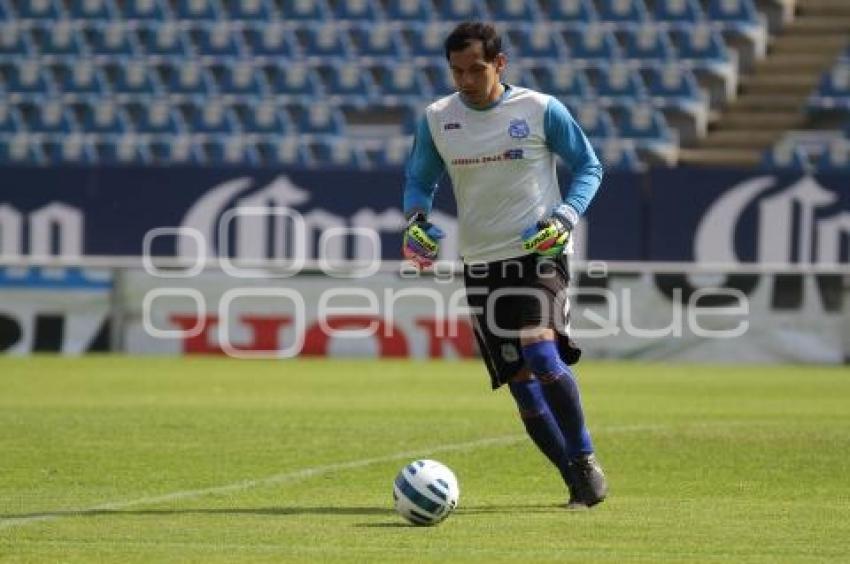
518,129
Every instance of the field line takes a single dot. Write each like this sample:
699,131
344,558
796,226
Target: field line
290,476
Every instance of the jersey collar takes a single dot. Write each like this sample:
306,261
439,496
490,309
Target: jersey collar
502,98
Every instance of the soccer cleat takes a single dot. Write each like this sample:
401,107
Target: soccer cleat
586,481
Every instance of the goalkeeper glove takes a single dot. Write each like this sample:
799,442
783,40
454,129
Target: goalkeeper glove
548,237
421,241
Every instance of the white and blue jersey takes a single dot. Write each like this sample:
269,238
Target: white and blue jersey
501,161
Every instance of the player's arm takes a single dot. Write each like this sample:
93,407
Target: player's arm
422,173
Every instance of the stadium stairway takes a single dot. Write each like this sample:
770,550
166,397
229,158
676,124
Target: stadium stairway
771,99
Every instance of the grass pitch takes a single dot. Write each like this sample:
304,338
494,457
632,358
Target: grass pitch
151,460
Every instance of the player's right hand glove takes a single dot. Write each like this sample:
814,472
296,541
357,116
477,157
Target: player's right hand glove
421,241
549,236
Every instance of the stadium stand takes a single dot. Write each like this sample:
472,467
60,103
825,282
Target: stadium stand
654,81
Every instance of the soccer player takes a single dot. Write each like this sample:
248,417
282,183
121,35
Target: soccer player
499,144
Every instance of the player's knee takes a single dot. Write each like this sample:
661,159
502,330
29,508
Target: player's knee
542,359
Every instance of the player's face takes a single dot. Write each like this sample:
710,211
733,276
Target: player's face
475,78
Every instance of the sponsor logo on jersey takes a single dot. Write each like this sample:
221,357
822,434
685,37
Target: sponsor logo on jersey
451,125
518,129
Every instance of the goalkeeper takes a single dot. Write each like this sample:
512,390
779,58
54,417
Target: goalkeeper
499,144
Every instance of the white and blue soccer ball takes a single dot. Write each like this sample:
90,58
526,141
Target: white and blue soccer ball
425,492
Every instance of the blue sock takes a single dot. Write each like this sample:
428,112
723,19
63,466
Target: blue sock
561,393
539,421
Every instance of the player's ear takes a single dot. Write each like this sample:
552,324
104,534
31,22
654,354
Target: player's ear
500,62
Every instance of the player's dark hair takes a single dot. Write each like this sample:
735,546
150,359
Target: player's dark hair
467,32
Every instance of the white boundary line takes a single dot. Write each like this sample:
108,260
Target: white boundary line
283,477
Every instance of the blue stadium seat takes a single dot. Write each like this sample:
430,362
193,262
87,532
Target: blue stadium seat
403,82
122,150
617,84
537,41
143,10
733,11
180,150
426,40
58,38
362,10
231,151
197,10
263,118
648,42
836,157
21,149
211,117
700,42
40,9
337,152
622,11
284,151
294,79
10,119
158,117
50,117
786,157
14,40
836,82
325,40
672,82
251,10
301,10
678,11
595,121
216,40
439,77
378,40
320,118
410,10
80,77
513,10
349,80
270,40
581,11
188,78
114,39
164,39
562,81
92,9
104,117
27,77
74,149
132,77
461,10
642,121
395,152
592,43
240,78
618,155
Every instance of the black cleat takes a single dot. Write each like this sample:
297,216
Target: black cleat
586,482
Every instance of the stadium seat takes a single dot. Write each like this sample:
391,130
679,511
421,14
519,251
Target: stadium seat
164,39
678,11
618,155
403,82
104,117
156,118
143,10
40,9
395,152
210,117
575,11
513,10
180,150
378,40
733,11
327,40
349,80
198,10
320,119
240,78
301,10
27,77
58,38
648,129
10,119
132,77
647,42
439,77
595,121
216,40
263,118
337,152
617,84
284,151
92,9
113,39
836,82
15,40
426,40
250,10
562,81
231,151
21,149
676,91
361,10
72,149
80,77
592,43
270,40
836,157
786,157
622,11
50,117
294,79
537,42
700,42
187,78
122,150
410,10
461,10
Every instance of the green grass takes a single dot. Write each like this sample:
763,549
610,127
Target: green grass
723,464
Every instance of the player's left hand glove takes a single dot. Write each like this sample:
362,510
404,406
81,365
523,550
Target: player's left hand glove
421,241
550,236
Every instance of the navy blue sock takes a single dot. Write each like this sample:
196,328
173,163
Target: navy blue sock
539,421
561,393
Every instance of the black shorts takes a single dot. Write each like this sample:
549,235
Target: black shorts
508,295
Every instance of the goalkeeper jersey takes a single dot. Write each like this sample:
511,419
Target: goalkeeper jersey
501,161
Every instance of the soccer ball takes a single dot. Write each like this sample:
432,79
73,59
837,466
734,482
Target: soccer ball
425,492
